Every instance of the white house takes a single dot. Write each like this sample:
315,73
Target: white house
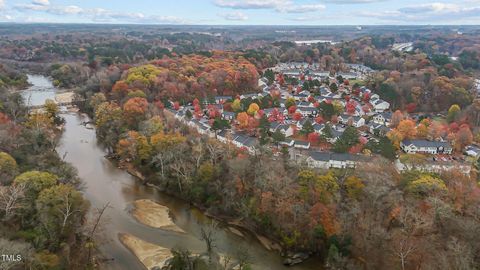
302,145
320,160
288,142
379,105
307,111
383,118
228,115
427,147
325,160
356,121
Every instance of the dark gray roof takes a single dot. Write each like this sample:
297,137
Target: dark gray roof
425,143
232,114
302,143
343,157
307,109
318,127
222,133
320,156
274,125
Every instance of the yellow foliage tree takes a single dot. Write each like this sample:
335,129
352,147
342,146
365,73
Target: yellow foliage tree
425,185
253,109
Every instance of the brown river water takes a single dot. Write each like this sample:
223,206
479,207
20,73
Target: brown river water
104,182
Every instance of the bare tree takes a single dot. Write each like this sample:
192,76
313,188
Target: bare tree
11,199
403,249
66,210
95,225
208,234
182,171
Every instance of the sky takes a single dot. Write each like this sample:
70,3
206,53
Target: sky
243,12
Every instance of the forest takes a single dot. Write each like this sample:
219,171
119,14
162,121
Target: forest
41,207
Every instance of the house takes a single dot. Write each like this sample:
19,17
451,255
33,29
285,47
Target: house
285,129
318,128
378,129
304,104
342,161
383,118
302,122
326,160
223,136
427,147
292,73
472,151
307,111
243,141
301,144
222,99
348,75
299,97
356,121
379,105
319,75
274,126
230,116
288,143
252,96
335,135
319,160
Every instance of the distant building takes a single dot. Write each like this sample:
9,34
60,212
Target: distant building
326,160
427,147
302,145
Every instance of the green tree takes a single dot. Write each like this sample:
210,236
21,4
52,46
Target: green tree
307,128
453,113
220,124
8,168
270,75
333,87
264,129
327,110
35,182
61,210
278,137
348,139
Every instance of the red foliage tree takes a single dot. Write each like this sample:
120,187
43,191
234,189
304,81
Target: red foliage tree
313,138
297,116
292,109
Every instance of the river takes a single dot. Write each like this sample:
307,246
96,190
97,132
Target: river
104,182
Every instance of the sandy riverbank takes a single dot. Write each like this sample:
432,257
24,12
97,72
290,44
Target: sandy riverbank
154,215
148,254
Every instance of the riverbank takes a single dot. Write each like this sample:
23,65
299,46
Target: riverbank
235,225
150,255
154,215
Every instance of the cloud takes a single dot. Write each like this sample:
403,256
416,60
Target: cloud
41,2
283,6
353,1
251,4
97,14
430,12
234,16
56,10
2,3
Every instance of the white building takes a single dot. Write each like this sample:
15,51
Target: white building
427,147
